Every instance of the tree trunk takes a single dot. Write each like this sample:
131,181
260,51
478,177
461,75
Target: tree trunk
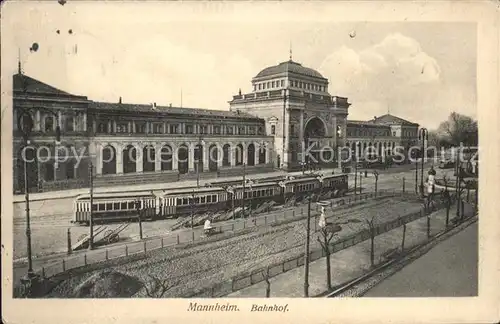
372,250
404,236
328,274
447,214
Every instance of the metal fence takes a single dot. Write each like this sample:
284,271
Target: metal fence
88,260
248,279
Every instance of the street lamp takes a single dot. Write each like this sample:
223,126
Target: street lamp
139,208
230,190
243,194
376,174
192,198
356,168
91,213
250,183
423,135
200,149
306,253
25,125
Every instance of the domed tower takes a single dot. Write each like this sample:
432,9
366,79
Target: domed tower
307,123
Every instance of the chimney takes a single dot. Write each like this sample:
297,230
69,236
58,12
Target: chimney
239,92
170,105
154,104
120,100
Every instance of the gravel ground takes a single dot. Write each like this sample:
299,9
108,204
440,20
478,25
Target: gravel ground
216,262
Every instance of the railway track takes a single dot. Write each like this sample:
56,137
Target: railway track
360,286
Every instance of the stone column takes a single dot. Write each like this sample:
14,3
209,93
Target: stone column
191,156
220,156
205,157
59,121
138,160
286,130
157,148
98,159
119,159
84,126
301,137
268,155
256,154
175,162
232,155
37,121
245,154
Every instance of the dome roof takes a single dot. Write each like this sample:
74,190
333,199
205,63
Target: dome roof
289,66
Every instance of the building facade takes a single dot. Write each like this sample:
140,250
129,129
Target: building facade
128,143
381,136
288,120
299,113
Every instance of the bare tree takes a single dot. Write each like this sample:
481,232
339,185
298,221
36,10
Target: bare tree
446,198
404,236
156,288
265,274
459,129
371,228
327,233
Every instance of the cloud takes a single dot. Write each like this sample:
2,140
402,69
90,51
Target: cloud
395,73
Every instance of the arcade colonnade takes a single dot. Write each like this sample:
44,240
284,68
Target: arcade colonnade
112,157
377,148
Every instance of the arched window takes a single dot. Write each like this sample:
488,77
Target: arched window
49,123
69,127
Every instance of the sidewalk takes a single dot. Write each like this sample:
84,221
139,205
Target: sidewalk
153,186
347,264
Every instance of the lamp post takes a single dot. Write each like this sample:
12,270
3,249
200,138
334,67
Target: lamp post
243,194
356,168
306,253
25,125
139,208
250,183
376,174
192,198
200,149
423,135
91,213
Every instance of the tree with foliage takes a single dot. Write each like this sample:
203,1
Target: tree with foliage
459,129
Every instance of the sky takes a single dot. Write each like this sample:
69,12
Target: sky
419,71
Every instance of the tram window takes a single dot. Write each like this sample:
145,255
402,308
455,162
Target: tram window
197,200
123,205
214,198
94,207
130,205
185,201
109,206
203,199
102,207
179,202
116,206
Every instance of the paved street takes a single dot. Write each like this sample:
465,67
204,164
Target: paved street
450,269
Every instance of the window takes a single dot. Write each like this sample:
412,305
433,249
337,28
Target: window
140,128
209,199
70,124
229,130
259,86
102,207
185,201
116,206
217,130
49,123
393,133
203,199
189,129
268,84
131,205
292,129
251,130
157,128
261,130
121,128
241,130
273,129
272,84
254,87
282,83
123,205
174,129
203,129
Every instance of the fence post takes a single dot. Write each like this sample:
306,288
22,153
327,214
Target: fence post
106,254
265,219
85,259
162,244
192,235
70,250
63,265
177,238
244,224
126,250
144,246
232,227
293,213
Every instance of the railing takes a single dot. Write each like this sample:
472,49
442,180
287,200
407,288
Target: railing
85,261
250,278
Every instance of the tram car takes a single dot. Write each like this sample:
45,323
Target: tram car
115,206
178,202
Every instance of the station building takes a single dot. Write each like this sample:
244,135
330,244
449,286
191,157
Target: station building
289,110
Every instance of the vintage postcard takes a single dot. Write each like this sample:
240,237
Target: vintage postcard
250,161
